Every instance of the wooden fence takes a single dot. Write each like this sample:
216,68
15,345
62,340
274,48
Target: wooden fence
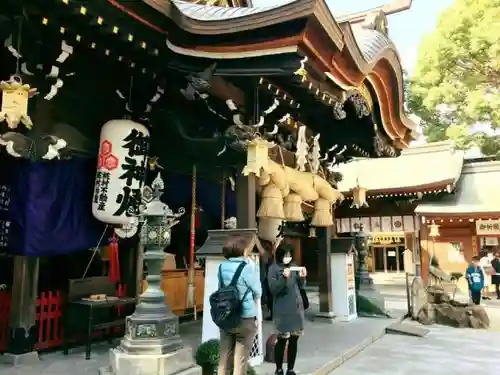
49,315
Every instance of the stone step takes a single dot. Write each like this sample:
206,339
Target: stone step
406,330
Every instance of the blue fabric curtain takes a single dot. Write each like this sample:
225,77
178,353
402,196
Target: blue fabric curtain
51,208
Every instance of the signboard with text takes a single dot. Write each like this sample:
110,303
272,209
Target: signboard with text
488,227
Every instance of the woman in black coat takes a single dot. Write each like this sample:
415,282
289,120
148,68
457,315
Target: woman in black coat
495,276
288,307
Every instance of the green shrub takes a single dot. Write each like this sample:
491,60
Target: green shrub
208,354
207,357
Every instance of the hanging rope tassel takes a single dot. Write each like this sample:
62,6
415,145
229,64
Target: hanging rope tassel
191,300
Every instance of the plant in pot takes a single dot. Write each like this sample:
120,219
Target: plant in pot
207,357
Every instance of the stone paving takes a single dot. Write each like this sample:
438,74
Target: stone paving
444,350
323,346
322,343
339,348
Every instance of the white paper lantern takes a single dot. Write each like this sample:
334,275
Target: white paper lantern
269,228
121,167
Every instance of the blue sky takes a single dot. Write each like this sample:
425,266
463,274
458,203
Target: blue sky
406,29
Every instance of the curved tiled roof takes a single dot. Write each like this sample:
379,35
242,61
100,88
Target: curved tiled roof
390,175
371,42
477,193
215,13
363,42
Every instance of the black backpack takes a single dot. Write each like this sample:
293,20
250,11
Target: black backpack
225,302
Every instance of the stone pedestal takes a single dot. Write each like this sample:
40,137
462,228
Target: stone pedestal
418,296
178,362
326,313
151,345
209,329
344,293
368,300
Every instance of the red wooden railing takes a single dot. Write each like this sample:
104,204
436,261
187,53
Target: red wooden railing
49,319
49,313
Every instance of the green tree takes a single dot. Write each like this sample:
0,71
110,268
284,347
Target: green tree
456,83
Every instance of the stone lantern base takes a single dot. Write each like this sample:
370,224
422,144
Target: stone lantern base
178,362
152,345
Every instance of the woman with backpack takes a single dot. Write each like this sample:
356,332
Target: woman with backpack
286,282
234,307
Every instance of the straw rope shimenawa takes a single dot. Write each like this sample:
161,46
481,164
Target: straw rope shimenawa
322,216
284,190
293,208
271,205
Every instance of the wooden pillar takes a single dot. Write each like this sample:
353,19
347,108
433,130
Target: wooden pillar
384,250
397,250
298,250
22,329
323,236
425,244
245,185
245,202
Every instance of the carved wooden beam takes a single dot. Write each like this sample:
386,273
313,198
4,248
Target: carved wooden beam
224,90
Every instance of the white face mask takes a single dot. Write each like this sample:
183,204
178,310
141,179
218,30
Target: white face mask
287,260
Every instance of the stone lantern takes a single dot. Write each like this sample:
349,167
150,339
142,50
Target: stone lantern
152,345
366,292
361,245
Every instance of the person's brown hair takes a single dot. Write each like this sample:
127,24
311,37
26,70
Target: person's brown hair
234,247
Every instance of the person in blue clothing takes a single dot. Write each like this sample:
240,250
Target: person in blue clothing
475,278
236,344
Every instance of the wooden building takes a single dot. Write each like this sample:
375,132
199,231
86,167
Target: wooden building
205,81
466,223
394,187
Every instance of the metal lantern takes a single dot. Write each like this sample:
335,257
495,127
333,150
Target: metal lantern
359,197
434,230
257,156
15,97
157,217
153,328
